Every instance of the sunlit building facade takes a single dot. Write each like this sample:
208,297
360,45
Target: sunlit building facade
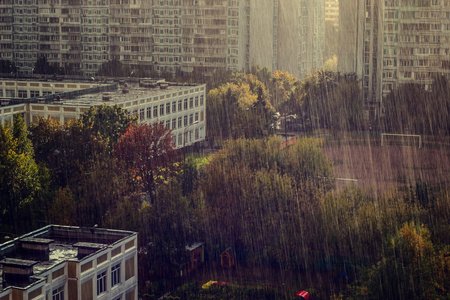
68,262
181,108
332,12
164,35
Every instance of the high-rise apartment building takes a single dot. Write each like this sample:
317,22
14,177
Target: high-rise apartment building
204,37
287,35
391,42
164,35
332,12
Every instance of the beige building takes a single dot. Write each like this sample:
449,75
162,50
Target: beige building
332,12
287,35
182,108
388,43
164,35
67,262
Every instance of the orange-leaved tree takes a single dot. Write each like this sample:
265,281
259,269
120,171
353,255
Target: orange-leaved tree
148,154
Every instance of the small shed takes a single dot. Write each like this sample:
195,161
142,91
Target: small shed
227,258
196,257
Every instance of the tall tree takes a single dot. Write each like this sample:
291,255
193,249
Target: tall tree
19,174
42,66
412,109
7,66
251,191
114,68
108,122
148,154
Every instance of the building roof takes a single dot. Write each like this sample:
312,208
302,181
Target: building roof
124,92
60,244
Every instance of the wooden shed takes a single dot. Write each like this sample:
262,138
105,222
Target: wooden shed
196,258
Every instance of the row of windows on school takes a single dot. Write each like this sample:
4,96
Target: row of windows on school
165,109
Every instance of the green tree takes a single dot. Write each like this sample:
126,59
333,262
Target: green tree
66,148
81,165
329,100
107,122
412,109
19,174
239,109
252,191
42,66
7,66
169,225
409,270
114,68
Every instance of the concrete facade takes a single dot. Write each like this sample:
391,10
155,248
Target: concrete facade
182,108
67,262
164,35
387,43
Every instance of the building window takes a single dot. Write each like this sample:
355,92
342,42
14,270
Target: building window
33,94
180,139
174,106
191,119
196,117
168,124
23,94
149,112
161,110
191,102
58,294
141,114
185,120
101,283
185,104
155,111
196,101
179,122
168,108
201,100
174,123
115,275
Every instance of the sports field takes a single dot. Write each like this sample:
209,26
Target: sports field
381,168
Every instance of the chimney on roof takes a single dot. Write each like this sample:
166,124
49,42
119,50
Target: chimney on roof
36,248
17,271
85,249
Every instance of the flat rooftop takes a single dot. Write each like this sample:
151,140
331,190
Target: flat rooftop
124,92
63,243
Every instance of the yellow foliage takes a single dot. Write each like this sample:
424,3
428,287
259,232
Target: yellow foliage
417,241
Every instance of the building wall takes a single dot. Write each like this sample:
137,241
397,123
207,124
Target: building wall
87,278
204,37
262,36
393,42
289,54
201,35
167,35
332,11
188,124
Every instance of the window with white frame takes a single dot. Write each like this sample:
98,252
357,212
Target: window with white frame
58,294
101,283
115,275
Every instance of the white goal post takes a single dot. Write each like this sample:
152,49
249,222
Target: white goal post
401,139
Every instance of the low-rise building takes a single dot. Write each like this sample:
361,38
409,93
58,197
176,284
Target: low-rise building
181,107
66,262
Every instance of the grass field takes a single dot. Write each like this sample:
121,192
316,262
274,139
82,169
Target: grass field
381,168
